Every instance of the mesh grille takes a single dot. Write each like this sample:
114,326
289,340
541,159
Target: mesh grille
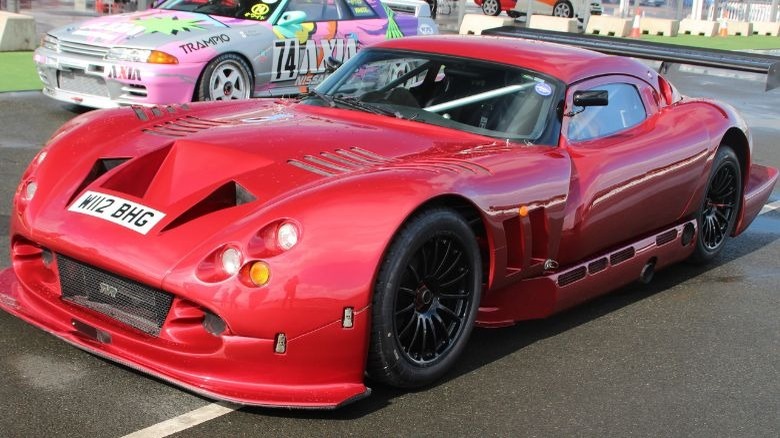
621,256
666,237
571,276
79,82
83,49
125,300
598,265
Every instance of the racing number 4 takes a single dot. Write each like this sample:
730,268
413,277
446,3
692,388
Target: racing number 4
285,58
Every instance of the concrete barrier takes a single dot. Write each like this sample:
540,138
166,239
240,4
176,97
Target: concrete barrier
17,32
739,28
766,28
549,22
698,27
659,26
608,25
474,24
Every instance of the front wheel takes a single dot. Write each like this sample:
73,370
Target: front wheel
491,7
226,77
563,9
425,300
717,214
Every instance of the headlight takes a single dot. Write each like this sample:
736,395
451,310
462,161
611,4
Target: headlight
140,55
287,236
29,190
50,42
231,261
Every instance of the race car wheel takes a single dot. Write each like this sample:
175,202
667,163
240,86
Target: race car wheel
563,9
718,213
226,77
425,300
491,7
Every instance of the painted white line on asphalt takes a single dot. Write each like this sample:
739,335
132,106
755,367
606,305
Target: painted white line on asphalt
184,421
772,206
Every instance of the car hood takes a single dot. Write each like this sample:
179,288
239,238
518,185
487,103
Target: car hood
218,178
147,29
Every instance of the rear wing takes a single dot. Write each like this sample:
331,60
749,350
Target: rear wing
418,8
666,53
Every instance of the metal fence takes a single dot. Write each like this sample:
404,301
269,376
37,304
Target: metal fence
754,11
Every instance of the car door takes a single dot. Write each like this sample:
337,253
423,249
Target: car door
634,166
309,32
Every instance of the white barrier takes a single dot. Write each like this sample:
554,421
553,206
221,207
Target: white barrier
739,28
17,32
549,22
698,27
659,26
608,25
766,28
474,24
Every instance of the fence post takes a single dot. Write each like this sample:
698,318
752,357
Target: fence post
773,12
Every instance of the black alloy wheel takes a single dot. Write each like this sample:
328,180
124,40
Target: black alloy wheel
425,300
718,213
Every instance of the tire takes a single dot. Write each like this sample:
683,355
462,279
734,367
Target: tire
491,7
429,280
718,212
226,77
563,9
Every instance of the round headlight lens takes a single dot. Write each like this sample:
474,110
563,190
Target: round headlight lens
30,189
231,261
287,236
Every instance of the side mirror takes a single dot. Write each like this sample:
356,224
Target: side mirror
591,98
290,18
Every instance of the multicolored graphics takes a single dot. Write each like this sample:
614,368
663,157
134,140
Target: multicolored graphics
208,49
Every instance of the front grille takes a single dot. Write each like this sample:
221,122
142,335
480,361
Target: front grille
125,300
79,82
83,49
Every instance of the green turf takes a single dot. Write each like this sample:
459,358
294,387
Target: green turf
17,72
718,42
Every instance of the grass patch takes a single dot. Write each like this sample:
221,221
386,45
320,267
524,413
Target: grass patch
18,72
718,42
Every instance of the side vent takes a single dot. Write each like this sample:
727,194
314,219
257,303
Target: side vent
570,277
339,161
597,265
100,168
621,256
226,196
666,237
182,126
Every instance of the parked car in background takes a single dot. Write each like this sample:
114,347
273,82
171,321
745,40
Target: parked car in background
560,8
187,50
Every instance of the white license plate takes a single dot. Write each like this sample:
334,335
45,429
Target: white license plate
128,214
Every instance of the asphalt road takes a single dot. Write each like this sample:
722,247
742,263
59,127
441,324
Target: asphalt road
695,353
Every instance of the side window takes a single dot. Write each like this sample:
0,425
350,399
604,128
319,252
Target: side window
625,110
316,10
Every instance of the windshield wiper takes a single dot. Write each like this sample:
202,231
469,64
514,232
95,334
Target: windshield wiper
322,96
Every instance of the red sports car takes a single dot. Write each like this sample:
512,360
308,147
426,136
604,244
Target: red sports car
275,252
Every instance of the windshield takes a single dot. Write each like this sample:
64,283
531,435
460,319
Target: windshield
483,98
258,10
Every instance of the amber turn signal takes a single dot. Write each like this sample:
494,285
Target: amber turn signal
259,273
157,57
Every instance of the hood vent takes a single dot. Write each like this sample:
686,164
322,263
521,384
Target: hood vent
183,126
100,168
157,111
228,195
343,161
340,161
134,178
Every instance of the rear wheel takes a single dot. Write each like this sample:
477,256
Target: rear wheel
491,7
563,9
718,213
226,77
425,300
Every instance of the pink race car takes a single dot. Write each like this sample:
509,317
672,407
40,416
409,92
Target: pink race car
188,50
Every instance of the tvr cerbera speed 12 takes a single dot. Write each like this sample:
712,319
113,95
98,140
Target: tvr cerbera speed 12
274,252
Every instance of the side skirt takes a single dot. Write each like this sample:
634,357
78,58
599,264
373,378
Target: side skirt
545,295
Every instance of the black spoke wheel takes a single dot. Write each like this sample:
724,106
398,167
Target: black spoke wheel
425,300
718,213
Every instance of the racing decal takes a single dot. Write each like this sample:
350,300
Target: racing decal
128,214
202,44
169,25
360,9
543,89
291,58
393,31
124,72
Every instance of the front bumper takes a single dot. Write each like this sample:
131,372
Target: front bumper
315,371
95,82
